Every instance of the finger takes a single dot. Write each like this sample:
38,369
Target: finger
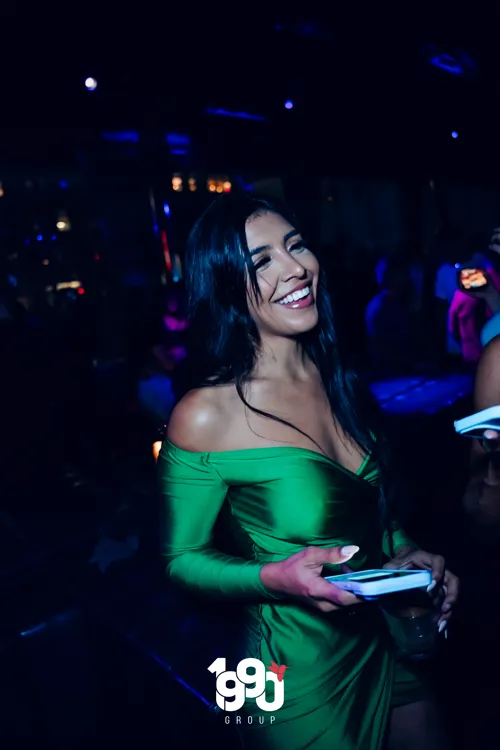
402,564
438,595
331,555
490,441
323,589
437,568
346,568
324,606
443,623
452,589
391,565
490,435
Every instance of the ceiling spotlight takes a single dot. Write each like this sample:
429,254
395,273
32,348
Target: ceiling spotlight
90,84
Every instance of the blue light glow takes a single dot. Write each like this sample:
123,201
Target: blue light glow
39,237
166,209
176,139
63,184
448,64
454,134
288,104
241,115
90,84
122,136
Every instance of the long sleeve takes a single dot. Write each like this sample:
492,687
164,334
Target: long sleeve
192,496
399,539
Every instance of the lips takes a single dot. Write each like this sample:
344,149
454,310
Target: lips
297,289
300,297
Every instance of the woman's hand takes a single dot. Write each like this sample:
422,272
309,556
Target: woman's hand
488,293
408,558
490,441
481,498
299,576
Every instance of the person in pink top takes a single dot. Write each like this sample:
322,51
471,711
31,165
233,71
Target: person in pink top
468,313
466,318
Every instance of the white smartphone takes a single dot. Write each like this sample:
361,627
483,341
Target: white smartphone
475,425
371,584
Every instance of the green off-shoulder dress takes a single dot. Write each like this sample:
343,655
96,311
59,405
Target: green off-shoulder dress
343,677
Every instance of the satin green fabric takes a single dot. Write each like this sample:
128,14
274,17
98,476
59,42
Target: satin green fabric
340,682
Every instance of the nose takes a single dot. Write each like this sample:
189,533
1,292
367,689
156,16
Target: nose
291,268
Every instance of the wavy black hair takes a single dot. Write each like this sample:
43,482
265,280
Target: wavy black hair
225,338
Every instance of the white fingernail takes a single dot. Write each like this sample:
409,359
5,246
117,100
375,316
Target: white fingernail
442,626
350,550
431,586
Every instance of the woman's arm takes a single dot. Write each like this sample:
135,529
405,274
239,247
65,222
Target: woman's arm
192,497
486,389
402,544
192,494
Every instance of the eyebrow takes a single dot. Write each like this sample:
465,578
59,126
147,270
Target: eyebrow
287,237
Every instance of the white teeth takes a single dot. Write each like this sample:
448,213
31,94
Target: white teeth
300,294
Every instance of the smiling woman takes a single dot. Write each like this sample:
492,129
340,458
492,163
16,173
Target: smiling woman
287,275
284,443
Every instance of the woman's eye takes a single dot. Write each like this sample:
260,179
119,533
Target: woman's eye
261,263
298,247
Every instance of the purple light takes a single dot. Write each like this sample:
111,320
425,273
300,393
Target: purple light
288,104
454,134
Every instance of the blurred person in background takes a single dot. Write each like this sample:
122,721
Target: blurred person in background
175,318
491,296
406,253
164,351
450,250
466,318
472,316
390,322
286,445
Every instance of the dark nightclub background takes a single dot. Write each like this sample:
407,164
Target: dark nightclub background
379,125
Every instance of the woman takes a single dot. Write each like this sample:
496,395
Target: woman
479,655
482,495
280,439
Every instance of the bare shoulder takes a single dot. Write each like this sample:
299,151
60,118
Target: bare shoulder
200,417
487,385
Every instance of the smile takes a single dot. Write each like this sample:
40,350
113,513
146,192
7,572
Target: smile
300,298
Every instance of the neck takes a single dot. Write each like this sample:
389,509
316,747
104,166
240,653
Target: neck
283,358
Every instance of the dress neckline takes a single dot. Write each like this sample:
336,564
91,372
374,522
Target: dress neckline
268,450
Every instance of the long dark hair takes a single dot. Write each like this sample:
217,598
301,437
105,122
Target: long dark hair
226,340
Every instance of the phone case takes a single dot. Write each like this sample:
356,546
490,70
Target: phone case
475,425
400,581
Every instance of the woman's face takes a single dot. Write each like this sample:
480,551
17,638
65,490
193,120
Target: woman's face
287,276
